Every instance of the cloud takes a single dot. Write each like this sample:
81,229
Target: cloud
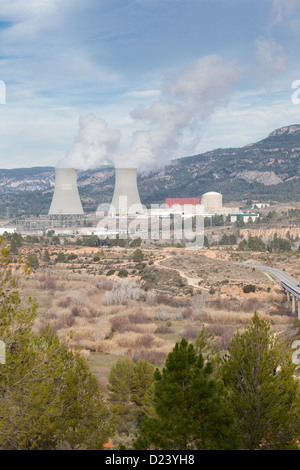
270,55
142,93
187,100
282,9
190,97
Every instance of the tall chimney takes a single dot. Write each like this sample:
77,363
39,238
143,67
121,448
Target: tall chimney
126,198
66,200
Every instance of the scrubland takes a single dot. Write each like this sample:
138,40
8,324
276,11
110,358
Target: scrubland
142,315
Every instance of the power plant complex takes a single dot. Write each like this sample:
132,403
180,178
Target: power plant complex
66,215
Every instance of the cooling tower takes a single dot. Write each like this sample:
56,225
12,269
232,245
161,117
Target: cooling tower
212,202
126,198
66,200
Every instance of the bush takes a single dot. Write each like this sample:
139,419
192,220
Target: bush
72,256
119,323
122,292
33,261
249,288
110,272
48,283
123,273
190,332
138,256
60,257
163,330
65,303
153,356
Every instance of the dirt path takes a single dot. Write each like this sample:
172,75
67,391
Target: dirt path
190,280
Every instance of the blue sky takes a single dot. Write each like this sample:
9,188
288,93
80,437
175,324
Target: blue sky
168,77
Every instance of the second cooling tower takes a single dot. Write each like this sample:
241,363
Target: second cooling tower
66,200
126,198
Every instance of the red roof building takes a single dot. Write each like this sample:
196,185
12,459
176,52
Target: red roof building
182,201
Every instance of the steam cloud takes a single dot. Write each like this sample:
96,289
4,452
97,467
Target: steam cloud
189,99
92,145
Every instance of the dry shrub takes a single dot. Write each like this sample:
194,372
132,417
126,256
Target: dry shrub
224,335
132,340
130,327
127,341
105,347
179,302
151,297
64,320
119,323
197,303
163,299
105,285
111,310
41,323
84,353
177,316
145,341
76,311
163,330
65,303
50,315
83,332
153,356
47,283
187,312
122,292
217,329
162,315
202,317
251,304
190,332
139,317
91,345
85,311
91,312
69,321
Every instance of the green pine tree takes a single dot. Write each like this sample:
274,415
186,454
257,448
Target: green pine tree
190,406
46,256
128,384
264,392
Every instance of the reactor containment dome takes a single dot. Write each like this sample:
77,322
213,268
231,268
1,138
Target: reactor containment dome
212,201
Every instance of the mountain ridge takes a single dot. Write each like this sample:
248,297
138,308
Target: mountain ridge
267,169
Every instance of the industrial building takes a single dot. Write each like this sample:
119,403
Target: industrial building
245,217
170,202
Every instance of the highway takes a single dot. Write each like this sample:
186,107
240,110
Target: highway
287,281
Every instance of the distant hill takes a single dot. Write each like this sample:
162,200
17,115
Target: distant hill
265,170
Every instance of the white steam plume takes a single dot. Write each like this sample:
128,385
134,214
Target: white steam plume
189,99
93,144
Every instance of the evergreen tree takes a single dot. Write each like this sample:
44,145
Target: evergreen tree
138,256
264,392
33,261
190,405
49,398
120,384
46,256
128,384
